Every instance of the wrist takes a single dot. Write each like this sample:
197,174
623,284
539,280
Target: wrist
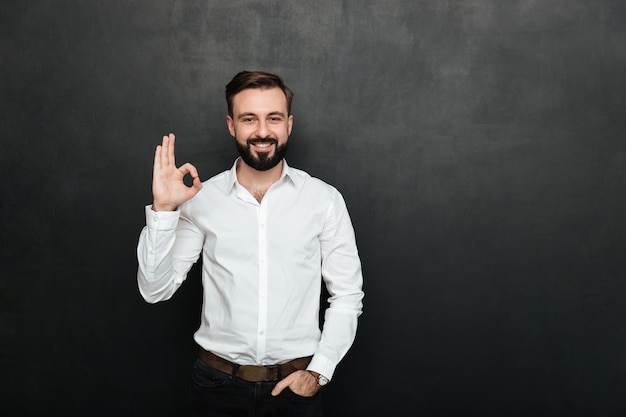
157,207
319,378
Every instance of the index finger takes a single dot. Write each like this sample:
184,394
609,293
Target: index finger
282,384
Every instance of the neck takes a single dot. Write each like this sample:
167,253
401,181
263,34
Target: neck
257,182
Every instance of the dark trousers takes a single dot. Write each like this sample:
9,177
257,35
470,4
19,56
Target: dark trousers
216,394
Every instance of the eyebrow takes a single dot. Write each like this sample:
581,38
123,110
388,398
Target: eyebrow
249,113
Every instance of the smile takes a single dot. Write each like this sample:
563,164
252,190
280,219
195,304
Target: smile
262,144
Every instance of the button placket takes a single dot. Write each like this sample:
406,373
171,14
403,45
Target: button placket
263,276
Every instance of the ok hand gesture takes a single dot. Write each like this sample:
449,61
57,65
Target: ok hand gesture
168,189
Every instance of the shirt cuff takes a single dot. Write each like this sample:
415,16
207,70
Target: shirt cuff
161,220
322,365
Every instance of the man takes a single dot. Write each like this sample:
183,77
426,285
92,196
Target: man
268,235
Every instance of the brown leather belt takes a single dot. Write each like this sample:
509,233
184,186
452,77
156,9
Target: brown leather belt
254,373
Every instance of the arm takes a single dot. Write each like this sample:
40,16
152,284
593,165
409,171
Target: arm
341,270
168,247
169,244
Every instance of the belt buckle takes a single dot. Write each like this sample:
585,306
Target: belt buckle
253,373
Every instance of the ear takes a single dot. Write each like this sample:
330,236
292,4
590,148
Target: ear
231,125
290,123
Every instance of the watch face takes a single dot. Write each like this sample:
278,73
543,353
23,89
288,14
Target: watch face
322,380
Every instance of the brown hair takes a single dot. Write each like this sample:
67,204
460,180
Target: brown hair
255,79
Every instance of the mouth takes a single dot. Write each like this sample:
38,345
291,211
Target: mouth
262,145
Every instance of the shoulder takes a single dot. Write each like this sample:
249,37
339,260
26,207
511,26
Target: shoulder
213,189
224,181
218,179
315,187
220,183
305,180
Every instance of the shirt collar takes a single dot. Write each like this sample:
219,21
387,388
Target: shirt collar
287,174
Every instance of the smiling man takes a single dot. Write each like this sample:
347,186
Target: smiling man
260,121
269,236
264,128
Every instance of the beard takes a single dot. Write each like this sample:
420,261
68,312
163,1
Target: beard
262,161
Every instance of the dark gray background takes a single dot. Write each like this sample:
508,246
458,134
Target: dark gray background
480,146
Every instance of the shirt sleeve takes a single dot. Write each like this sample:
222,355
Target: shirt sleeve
168,247
341,271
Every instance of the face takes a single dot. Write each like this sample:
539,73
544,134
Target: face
260,126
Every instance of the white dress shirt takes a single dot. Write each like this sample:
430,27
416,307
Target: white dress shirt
262,266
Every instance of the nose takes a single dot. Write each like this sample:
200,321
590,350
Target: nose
262,130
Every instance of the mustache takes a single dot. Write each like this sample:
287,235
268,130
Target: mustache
267,139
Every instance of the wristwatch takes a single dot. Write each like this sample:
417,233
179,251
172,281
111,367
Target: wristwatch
321,379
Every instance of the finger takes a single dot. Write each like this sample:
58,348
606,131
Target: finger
170,155
197,184
188,168
279,387
157,158
165,143
284,383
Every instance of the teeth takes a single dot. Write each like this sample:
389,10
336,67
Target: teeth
263,145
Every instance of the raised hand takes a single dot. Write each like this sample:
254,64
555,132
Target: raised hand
168,189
